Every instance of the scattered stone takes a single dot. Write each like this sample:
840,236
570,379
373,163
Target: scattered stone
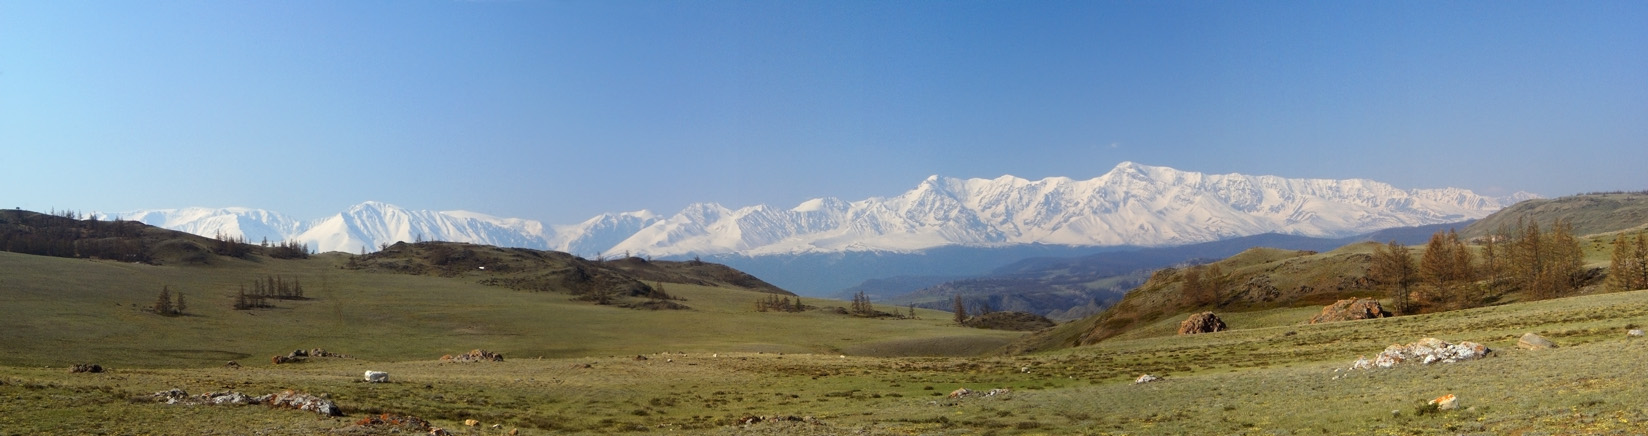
387,423
1446,402
321,352
1531,341
640,358
172,396
1147,378
179,396
377,377
958,393
86,367
1635,333
301,401
998,391
476,355
219,398
1349,310
232,364
1425,351
281,360
1205,322
471,422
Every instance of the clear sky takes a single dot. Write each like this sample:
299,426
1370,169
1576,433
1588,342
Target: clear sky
558,111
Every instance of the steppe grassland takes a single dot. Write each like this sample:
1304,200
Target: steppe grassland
62,311
1257,379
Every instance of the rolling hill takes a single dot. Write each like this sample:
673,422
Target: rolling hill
1067,288
1267,278
412,301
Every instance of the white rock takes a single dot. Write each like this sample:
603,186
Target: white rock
1147,378
377,377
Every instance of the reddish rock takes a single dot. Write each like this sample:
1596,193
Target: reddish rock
1352,309
1205,322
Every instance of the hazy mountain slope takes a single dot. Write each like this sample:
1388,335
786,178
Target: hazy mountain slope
1051,286
1589,213
255,225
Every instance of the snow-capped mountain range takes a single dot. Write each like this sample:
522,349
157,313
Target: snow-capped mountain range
1132,204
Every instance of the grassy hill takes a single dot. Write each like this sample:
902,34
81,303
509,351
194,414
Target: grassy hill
1265,278
1589,214
72,310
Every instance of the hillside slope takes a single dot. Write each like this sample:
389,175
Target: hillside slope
1073,287
1589,213
60,311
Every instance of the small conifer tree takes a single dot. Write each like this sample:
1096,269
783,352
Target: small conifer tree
163,304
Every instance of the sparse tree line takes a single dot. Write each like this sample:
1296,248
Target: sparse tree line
860,307
960,309
165,306
236,246
774,303
1202,284
271,287
1628,268
1541,262
66,234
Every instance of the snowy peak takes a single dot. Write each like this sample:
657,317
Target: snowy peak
1131,204
253,224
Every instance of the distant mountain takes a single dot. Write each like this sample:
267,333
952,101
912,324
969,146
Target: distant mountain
1131,205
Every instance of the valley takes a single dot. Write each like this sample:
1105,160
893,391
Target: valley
716,365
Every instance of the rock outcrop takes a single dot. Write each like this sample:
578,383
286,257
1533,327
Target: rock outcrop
86,367
302,401
476,355
1425,351
1205,322
1351,309
1531,341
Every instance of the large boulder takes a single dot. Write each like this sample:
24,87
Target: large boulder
1351,309
1530,341
1205,322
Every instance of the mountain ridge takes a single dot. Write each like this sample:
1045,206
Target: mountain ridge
1132,204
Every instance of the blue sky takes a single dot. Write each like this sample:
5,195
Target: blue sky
558,111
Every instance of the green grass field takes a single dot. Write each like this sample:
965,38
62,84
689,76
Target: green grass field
61,311
725,362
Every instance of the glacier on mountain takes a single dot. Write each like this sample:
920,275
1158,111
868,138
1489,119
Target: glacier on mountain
1132,204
